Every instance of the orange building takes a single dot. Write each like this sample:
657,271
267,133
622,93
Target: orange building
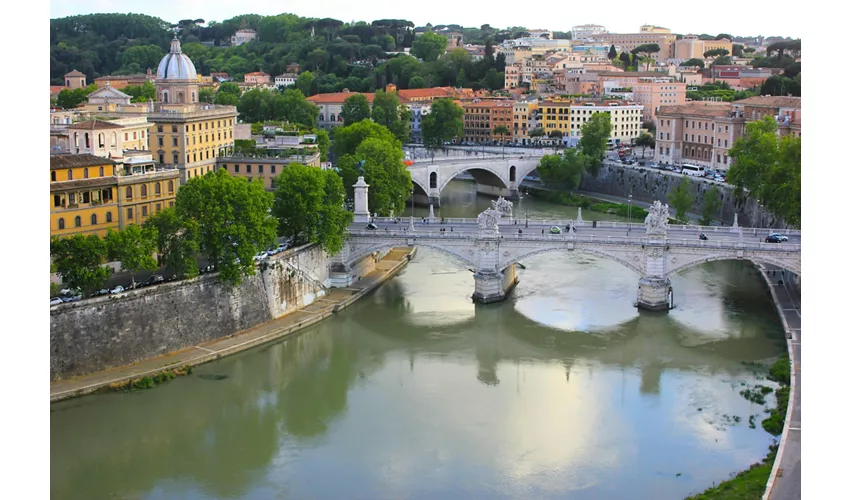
482,116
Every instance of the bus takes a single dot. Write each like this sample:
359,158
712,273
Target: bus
694,170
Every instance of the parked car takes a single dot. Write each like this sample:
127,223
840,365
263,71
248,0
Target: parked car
261,256
371,226
776,238
72,298
555,230
102,291
117,289
154,280
55,300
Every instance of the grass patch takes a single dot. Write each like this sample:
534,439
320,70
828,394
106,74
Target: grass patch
575,200
150,381
747,485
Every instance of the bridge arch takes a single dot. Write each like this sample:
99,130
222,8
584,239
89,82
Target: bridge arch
483,173
621,259
676,268
523,170
418,188
359,253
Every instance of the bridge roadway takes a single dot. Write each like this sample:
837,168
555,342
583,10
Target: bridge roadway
620,232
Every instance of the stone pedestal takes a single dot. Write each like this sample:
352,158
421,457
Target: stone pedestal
654,294
361,201
434,200
494,286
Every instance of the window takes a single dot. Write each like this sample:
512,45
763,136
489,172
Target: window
57,200
159,142
61,223
725,143
176,159
248,169
126,136
159,128
144,190
193,127
195,156
161,157
170,186
273,185
174,129
158,207
156,189
129,213
273,169
236,168
170,203
53,176
72,199
93,219
144,210
86,197
173,141
86,173
78,222
70,174
108,216
128,193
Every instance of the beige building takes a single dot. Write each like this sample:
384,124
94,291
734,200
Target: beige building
75,80
625,117
699,133
242,36
627,42
650,89
690,46
258,78
786,110
109,139
523,123
264,169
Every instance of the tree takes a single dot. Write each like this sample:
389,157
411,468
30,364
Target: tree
79,261
694,62
323,140
70,99
134,246
722,61
715,53
206,95
562,172
502,130
309,204
681,199
710,205
769,168
781,85
429,46
143,93
233,219
723,36
293,107
228,94
346,140
389,181
176,242
305,83
645,140
416,83
594,140
355,108
737,50
612,52
501,62
387,111
647,50
442,124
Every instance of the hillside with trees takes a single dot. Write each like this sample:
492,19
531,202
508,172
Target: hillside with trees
358,56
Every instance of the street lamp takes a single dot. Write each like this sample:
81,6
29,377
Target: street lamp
412,193
630,213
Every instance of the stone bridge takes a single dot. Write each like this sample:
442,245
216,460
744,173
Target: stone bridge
494,243
495,176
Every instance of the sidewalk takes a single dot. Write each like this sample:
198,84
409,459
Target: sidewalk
784,482
337,300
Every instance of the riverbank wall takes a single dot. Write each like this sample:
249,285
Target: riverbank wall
296,318
648,185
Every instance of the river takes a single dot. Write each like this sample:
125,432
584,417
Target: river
563,391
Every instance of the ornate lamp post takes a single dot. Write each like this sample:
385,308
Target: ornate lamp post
630,214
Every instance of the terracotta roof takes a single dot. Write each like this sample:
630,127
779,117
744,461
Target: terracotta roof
337,97
94,125
55,89
58,162
500,103
697,109
257,73
769,101
79,183
635,74
74,73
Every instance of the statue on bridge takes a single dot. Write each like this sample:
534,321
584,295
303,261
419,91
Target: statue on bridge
656,220
489,219
503,206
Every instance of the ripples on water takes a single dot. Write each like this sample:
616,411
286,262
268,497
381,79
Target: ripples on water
563,391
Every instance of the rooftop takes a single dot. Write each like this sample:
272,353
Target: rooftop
74,73
58,162
94,125
338,97
771,101
703,109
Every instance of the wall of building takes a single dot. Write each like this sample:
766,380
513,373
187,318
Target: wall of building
647,185
105,332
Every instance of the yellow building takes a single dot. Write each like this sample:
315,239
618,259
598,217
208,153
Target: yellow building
144,188
522,125
555,115
82,195
264,169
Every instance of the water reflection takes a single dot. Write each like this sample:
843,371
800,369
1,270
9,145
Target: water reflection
563,391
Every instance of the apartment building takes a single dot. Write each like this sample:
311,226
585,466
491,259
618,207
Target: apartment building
697,132
651,89
625,117
265,168
525,113
648,34
587,31
482,116
787,111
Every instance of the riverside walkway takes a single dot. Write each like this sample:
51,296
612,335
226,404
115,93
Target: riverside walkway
784,482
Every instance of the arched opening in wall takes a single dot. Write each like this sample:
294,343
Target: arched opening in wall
486,180
180,98
165,96
100,141
114,139
419,190
87,140
433,180
512,175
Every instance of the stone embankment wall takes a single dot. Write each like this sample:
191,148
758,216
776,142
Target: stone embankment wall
111,331
648,185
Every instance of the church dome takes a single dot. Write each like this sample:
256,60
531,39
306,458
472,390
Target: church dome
176,65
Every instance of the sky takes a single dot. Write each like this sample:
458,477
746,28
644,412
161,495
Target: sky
619,16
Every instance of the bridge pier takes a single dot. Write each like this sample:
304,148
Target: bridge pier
434,200
655,294
494,286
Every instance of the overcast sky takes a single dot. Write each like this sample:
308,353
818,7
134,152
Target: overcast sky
744,19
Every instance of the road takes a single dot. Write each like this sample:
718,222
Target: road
785,480
537,228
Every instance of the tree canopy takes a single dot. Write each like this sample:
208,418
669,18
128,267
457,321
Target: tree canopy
134,246
309,206
769,168
562,172
594,140
347,139
682,200
390,184
79,261
694,61
234,221
387,111
176,242
429,46
443,123
355,108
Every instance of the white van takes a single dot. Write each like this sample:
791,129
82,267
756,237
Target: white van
694,170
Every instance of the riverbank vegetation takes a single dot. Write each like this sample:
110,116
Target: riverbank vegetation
150,381
577,200
751,483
